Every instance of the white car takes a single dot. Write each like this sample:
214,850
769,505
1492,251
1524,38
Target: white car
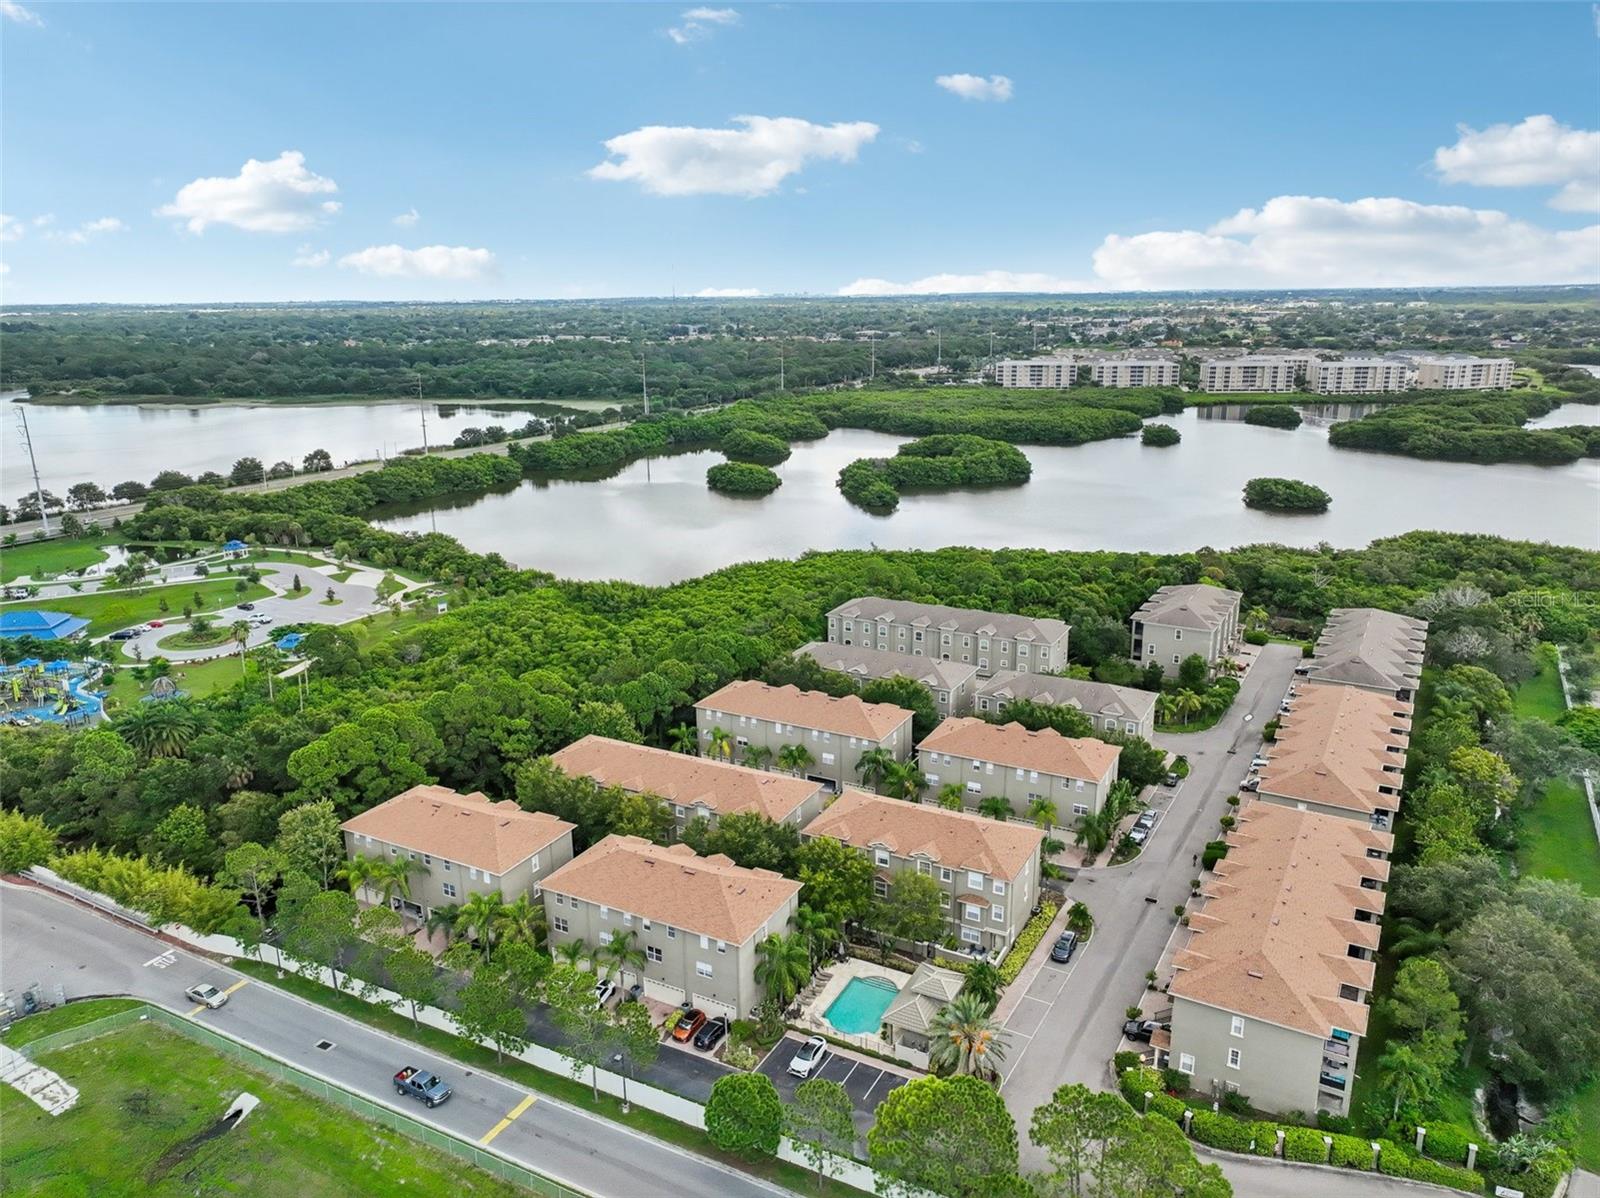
206,995
603,990
810,1057
260,619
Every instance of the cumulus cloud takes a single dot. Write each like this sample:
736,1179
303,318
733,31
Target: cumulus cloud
1312,241
280,196
428,262
698,23
727,293
89,229
408,218
967,284
749,160
13,11
308,257
11,227
976,87
1538,152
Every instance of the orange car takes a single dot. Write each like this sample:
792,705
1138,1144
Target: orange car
688,1024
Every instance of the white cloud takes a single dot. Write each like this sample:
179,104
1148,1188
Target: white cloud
280,196
959,284
1540,151
89,228
700,23
429,262
308,257
976,87
11,227
1308,241
751,160
5,268
13,11
727,293
408,218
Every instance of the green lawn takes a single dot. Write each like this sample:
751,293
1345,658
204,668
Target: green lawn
109,612
1540,696
147,1092
1586,1145
76,1014
33,558
1556,839
197,679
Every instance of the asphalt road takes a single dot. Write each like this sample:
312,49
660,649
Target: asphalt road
50,940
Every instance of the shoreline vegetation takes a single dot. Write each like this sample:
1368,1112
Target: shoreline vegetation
69,399
942,462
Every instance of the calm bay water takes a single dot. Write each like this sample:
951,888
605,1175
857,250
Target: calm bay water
655,521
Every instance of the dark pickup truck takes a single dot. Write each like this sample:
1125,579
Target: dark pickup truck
420,1084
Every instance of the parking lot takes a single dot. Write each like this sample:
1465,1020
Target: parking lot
866,1084
1037,1008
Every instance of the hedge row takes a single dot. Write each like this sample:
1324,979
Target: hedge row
1033,932
1395,1161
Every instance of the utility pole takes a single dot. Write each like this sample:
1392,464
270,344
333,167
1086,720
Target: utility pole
938,353
421,407
872,347
38,491
991,353
644,383
780,366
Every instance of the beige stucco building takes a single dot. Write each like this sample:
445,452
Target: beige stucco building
1449,373
1256,373
988,640
1178,621
693,787
988,870
836,732
1369,648
951,683
462,845
1274,972
1021,766
1109,708
1359,376
697,919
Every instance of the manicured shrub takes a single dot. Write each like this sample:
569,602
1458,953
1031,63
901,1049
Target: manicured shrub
1215,851
1395,1161
1285,495
1134,1083
1448,1142
1256,637
1124,1061
1166,1106
1160,435
742,478
1220,1131
1264,1134
1028,939
1539,1180
1351,1152
1304,1144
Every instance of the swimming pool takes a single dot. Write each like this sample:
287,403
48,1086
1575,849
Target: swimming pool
860,1006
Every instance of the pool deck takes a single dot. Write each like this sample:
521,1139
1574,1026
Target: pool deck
811,1015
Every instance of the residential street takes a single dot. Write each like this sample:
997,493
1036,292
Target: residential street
52,941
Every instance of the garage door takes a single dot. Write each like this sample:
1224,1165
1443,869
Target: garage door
662,992
715,1006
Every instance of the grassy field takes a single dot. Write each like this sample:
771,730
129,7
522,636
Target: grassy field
26,1031
109,612
197,679
33,558
1540,696
1555,838
147,1093
1586,1145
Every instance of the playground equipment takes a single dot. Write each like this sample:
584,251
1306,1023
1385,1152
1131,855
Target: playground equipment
32,693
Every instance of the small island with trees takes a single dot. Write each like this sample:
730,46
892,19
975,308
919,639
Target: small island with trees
1160,435
939,462
1273,415
1285,495
742,478
748,445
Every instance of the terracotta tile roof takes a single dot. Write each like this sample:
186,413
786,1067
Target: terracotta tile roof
847,716
686,780
707,896
1092,698
1371,648
468,829
1194,606
965,620
862,662
1271,940
1332,747
956,839
928,992
1015,746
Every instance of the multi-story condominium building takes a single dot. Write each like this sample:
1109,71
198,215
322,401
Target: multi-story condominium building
694,787
698,919
1110,708
988,870
952,683
1256,373
1135,372
835,732
1273,974
1451,373
1359,376
1339,751
1178,621
1054,372
989,640
462,845
1369,648
1074,773
1105,370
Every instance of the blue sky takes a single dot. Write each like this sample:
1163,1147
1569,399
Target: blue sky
1069,147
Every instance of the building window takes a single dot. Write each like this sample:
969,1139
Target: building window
561,900
975,914
1233,1058
449,890
652,954
999,886
974,880
605,912
1186,1063
428,860
944,900
722,946
971,936
881,856
559,923
880,888
997,914
703,968
1237,1027
672,933
944,873
605,937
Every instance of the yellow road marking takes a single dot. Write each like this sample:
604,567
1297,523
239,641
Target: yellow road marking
507,1121
202,1006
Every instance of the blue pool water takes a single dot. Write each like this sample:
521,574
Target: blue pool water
860,1006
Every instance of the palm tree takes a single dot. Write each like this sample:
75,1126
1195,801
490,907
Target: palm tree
995,807
757,756
1256,617
572,952
904,780
872,765
360,872
622,955
821,930
1094,831
1406,1075
524,921
394,877
684,739
480,920
983,980
1042,812
163,729
795,758
783,966
965,1040
239,630
951,795
720,745
1184,705
444,919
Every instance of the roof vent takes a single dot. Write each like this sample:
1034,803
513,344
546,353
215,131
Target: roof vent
1255,973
